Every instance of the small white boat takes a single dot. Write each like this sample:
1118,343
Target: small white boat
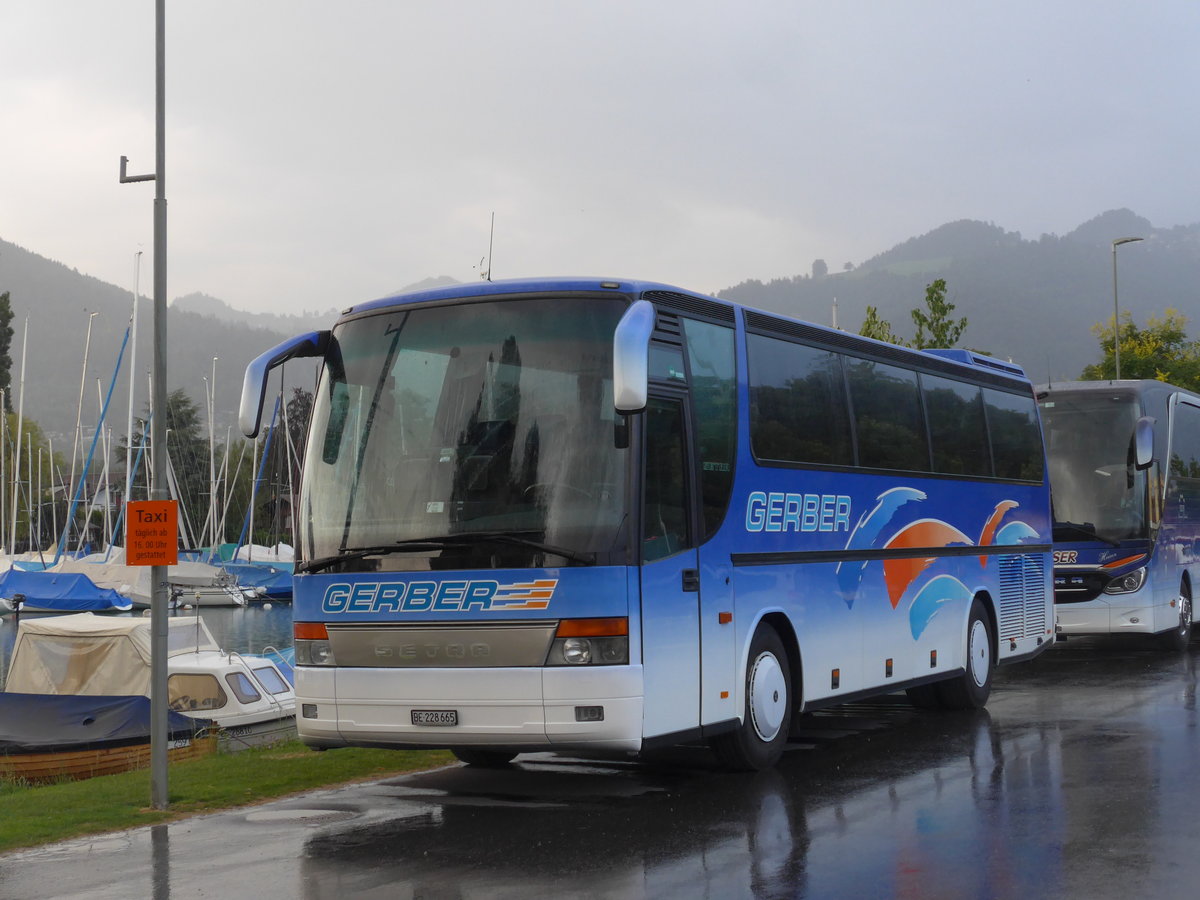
247,696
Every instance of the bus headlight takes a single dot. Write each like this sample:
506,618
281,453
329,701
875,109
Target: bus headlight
314,653
311,640
593,651
1127,583
577,651
590,642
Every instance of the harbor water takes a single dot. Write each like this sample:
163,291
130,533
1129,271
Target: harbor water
250,629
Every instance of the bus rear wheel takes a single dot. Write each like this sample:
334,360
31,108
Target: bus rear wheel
971,689
1180,636
483,759
758,741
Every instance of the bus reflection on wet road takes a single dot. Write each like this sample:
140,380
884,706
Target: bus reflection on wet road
1080,780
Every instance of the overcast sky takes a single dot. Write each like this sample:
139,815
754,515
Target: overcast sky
320,154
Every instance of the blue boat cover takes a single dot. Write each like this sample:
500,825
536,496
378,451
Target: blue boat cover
275,581
60,591
35,723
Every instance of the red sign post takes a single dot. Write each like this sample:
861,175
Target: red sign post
152,533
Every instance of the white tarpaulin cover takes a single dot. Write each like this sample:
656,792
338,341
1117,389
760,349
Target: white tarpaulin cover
90,654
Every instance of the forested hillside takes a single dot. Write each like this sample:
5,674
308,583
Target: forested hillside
1031,300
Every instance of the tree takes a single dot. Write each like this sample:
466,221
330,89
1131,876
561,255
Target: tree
879,329
1161,351
187,448
935,328
36,472
6,334
819,268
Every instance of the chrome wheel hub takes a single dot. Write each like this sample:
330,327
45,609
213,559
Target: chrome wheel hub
768,696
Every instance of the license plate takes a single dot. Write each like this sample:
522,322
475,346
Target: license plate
435,717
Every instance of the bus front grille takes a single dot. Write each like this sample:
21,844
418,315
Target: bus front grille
481,645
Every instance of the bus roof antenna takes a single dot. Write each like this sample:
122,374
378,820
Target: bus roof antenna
486,274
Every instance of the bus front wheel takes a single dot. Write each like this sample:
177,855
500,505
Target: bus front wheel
970,690
758,741
1180,636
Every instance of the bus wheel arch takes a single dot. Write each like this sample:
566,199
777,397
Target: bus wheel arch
1179,637
769,699
971,688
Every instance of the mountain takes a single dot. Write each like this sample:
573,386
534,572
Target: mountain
211,307
1031,301
58,302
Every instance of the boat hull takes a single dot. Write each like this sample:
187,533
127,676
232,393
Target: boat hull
90,762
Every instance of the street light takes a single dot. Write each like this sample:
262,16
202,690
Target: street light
1116,310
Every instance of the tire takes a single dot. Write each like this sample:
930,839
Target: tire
758,741
970,690
483,759
1179,637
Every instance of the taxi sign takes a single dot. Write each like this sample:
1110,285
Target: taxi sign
152,533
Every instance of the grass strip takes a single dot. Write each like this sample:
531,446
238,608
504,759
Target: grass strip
40,814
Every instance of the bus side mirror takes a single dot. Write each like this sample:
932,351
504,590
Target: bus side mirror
254,385
1143,443
631,357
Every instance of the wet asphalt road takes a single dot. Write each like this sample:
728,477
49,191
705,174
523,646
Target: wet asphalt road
1082,779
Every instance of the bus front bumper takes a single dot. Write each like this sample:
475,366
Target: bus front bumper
1115,615
596,708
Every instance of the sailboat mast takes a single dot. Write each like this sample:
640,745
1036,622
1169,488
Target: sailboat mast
87,346
20,425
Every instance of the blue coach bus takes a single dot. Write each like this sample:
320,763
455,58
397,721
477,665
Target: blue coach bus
1124,461
600,515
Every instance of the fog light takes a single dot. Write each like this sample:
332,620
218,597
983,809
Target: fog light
589,714
577,651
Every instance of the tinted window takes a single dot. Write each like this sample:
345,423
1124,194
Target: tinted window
714,398
1185,442
956,427
1016,435
797,403
242,687
887,417
270,678
666,509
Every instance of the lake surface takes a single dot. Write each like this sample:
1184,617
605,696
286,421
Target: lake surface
249,629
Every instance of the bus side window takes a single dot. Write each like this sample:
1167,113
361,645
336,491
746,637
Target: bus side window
665,515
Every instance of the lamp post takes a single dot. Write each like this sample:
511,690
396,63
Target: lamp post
1116,309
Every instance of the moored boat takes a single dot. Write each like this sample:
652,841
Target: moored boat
247,697
48,737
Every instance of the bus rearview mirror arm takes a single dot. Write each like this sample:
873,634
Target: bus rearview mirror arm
254,385
631,355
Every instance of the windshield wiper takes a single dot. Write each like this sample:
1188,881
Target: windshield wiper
507,537
324,562
441,542
1086,531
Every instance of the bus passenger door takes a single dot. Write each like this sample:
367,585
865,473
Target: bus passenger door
670,577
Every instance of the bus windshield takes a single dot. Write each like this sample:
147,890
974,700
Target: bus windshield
1096,490
471,435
